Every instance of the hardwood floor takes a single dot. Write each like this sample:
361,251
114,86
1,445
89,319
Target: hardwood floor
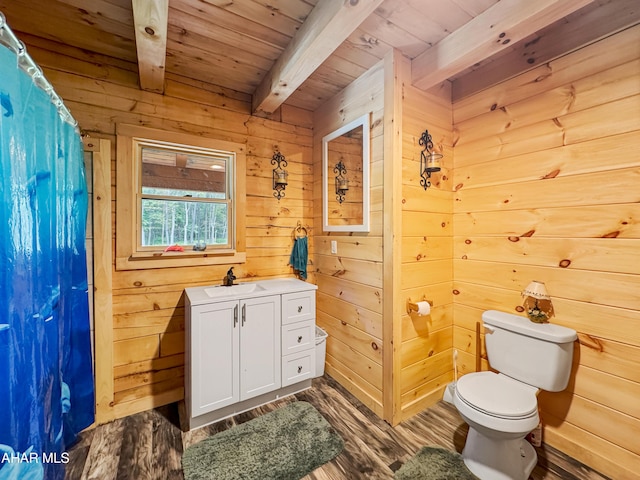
149,445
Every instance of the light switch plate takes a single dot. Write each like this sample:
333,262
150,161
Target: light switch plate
334,246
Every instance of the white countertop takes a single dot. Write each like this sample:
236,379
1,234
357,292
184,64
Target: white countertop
219,293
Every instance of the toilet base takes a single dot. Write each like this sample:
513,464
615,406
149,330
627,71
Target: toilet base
492,458
449,393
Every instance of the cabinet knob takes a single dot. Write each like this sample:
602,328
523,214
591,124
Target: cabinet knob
299,338
299,308
299,369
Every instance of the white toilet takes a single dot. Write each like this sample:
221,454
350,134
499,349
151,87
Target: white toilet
502,408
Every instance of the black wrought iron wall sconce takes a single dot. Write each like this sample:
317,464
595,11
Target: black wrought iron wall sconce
279,175
342,183
429,160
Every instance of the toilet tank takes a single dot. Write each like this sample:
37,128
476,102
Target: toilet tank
538,354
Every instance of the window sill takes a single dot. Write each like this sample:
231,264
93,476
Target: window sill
143,260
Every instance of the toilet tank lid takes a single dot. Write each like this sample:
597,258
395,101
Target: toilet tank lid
515,323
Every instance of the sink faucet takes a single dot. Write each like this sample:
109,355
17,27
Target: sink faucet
227,281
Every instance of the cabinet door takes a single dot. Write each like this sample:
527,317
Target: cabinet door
260,346
215,356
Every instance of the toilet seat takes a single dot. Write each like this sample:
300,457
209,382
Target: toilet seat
498,396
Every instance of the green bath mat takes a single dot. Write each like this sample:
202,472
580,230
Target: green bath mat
435,463
285,444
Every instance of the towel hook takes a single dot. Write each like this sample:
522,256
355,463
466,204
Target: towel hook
299,231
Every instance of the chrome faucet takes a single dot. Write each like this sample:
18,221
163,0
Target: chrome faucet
227,281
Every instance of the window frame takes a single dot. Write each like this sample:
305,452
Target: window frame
129,254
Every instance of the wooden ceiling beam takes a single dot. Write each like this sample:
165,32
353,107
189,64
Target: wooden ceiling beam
150,18
589,25
497,28
327,26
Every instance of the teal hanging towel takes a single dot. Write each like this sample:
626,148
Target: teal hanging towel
299,255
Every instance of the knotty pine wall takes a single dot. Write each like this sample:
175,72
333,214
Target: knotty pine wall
426,250
546,182
148,305
395,363
528,197
349,297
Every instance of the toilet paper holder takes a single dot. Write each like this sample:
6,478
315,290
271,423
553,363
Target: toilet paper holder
413,307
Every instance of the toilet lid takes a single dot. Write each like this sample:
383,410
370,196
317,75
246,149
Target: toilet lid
497,395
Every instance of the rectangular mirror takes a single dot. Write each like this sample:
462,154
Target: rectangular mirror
345,178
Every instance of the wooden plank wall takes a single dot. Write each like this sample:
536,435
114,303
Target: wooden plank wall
426,254
349,298
148,308
546,178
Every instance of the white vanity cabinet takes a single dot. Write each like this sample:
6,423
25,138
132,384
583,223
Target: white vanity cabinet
235,351
246,346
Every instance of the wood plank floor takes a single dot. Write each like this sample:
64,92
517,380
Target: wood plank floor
149,445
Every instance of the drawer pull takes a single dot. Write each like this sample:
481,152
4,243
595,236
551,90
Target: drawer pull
299,369
299,338
235,316
299,308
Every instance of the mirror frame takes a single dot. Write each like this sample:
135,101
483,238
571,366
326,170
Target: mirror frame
366,142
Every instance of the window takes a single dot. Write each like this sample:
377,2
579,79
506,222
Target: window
185,197
179,200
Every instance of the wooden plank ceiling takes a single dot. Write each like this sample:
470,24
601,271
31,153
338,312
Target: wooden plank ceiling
302,52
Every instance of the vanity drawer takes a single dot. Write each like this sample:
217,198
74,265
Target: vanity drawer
298,367
298,336
297,307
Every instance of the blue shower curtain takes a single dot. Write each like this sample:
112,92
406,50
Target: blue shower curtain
46,375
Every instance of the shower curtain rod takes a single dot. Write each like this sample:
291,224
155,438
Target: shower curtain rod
29,66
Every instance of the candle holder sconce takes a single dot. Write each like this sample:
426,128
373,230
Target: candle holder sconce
342,183
429,160
279,175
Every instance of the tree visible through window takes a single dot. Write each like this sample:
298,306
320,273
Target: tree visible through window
182,223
